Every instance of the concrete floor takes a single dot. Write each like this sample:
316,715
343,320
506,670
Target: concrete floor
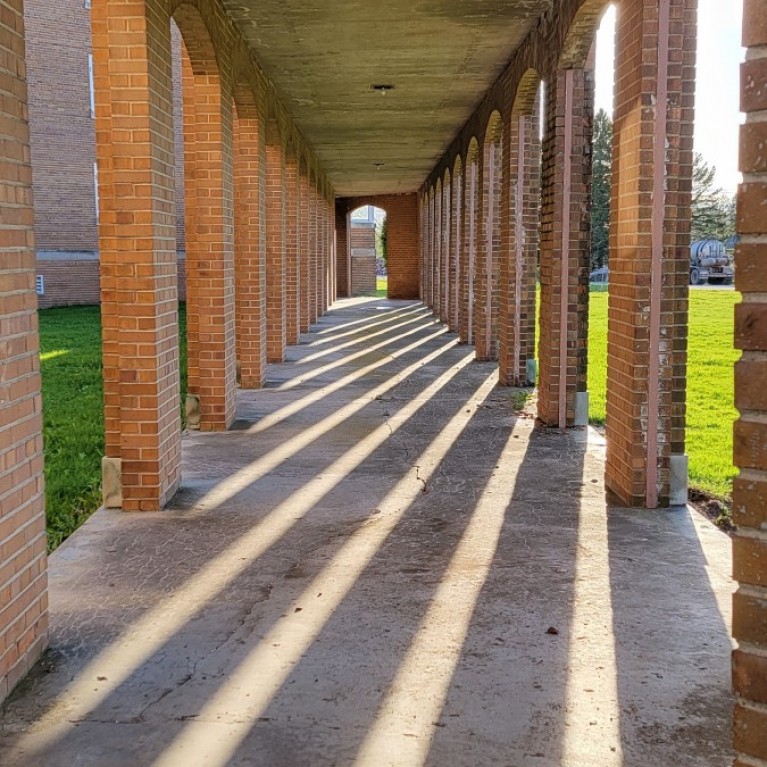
384,564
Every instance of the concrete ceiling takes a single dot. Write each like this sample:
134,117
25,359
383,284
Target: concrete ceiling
440,56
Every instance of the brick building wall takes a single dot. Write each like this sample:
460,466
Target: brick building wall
63,150
23,597
362,242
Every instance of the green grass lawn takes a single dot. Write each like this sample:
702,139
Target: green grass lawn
73,415
710,392
74,423
381,286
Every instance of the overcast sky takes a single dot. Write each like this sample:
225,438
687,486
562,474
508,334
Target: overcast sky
717,115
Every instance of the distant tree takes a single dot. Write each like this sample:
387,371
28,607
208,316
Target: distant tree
600,189
381,240
713,211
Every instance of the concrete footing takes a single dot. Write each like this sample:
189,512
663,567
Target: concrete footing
679,473
111,482
581,408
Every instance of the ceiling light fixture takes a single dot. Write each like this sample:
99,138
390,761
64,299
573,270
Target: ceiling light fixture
383,89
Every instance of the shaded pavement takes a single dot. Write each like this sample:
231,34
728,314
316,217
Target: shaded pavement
384,563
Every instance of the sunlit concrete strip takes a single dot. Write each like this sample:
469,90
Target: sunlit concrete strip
404,726
389,317
359,338
148,634
278,416
353,322
252,685
308,376
591,734
254,471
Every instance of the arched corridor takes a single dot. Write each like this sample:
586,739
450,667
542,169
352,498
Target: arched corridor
331,580
367,541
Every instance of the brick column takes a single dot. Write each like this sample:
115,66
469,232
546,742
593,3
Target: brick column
276,336
421,248
649,250
250,247
211,342
311,217
292,269
436,276
432,247
456,242
468,262
323,237
521,198
565,248
24,603
489,249
305,255
750,490
444,313
138,262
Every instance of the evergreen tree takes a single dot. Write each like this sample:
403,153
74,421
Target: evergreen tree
713,211
600,189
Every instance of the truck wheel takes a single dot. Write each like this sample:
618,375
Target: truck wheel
694,277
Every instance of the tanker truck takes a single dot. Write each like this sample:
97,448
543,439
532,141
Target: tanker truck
710,263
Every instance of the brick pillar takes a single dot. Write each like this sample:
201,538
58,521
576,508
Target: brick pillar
432,248
444,313
489,249
342,250
456,235
138,262
250,247
333,251
211,341
521,198
565,245
421,247
311,218
23,608
326,229
305,254
436,276
323,229
292,269
750,490
276,336
649,248
468,262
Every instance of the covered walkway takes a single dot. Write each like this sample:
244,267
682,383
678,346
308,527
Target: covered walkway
384,563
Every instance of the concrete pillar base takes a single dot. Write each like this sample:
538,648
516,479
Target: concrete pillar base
581,408
531,372
112,482
192,412
678,475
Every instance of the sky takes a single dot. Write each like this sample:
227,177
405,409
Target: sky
717,115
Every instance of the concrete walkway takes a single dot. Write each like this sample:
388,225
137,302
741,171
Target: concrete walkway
384,564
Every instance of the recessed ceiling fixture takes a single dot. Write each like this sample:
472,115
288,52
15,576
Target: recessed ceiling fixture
378,165
383,89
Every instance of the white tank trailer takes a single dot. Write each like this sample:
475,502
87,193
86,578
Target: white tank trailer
710,263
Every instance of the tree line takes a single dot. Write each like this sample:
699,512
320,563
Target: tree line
713,210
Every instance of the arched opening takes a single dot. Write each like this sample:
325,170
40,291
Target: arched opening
519,266
367,227
469,262
203,132
488,264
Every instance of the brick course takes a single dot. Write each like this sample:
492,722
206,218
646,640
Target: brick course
23,596
750,488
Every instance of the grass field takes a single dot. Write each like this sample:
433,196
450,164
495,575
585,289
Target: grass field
74,424
710,392
73,415
381,286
